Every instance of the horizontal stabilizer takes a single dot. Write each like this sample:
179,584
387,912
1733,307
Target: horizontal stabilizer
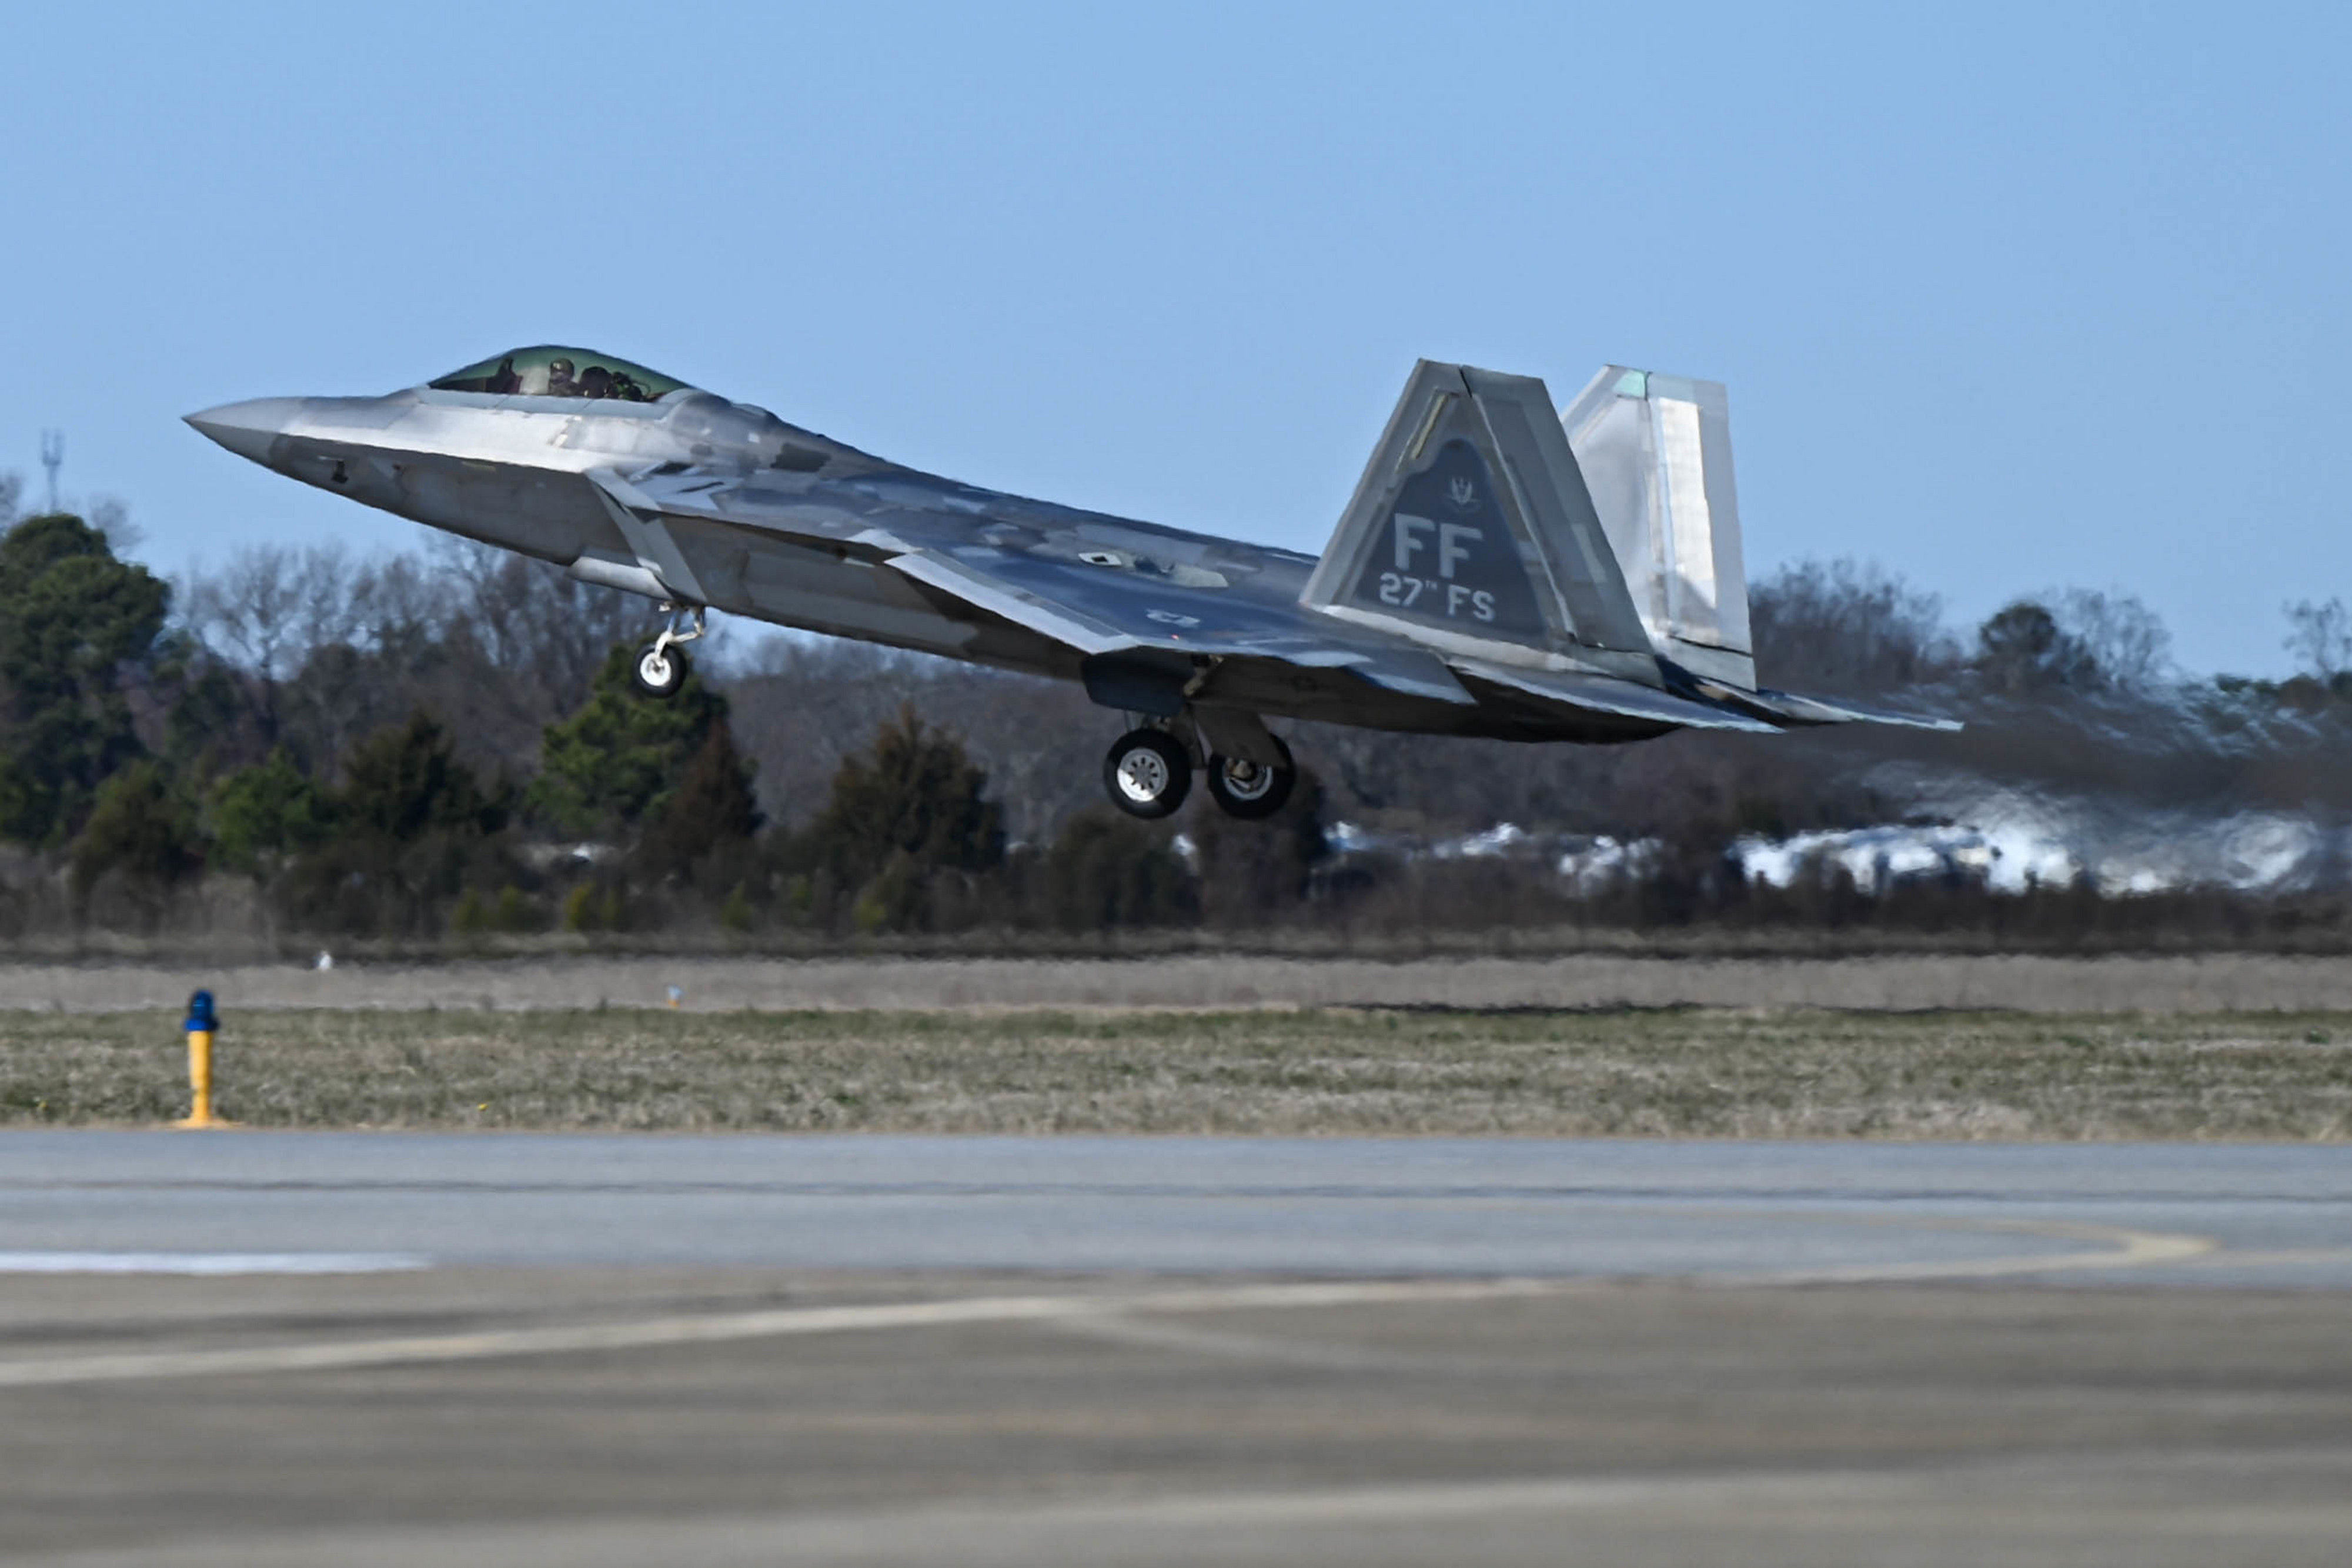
1599,694
1471,533
1799,710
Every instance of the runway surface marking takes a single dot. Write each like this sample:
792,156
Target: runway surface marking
2284,1258
211,1263
2124,1248
2128,1249
2037,1504
718,1327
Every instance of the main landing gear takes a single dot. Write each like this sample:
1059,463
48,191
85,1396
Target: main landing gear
1252,789
1148,772
662,667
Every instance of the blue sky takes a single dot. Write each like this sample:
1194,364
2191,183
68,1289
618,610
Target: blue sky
2007,297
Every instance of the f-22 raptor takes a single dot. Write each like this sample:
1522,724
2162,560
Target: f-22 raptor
1505,568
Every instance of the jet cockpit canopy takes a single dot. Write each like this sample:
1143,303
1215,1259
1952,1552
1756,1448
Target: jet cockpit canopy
551,370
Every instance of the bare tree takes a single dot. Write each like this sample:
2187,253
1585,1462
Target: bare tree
271,609
2122,636
1847,626
398,598
2320,637
536,621
2078,638
2021,647
111,516
334,648
247,611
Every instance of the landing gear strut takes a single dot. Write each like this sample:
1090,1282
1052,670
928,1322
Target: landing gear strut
662,667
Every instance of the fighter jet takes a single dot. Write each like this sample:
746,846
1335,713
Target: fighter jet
1506,568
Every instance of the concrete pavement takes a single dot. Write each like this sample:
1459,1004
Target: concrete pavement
603,1350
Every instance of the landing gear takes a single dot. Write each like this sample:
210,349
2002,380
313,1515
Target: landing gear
1147,773
660,670
662,667
1252,791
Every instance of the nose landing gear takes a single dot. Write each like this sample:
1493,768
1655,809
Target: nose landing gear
662,666
660,670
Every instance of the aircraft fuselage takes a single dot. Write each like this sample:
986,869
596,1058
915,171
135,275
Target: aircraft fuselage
1474,587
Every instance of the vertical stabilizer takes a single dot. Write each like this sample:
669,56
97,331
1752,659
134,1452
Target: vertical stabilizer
1656,451
1471,532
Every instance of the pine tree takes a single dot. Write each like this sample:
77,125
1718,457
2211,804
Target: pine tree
141,828
612,765
72,616
263,813
1107,870
414,825
912,809
710,811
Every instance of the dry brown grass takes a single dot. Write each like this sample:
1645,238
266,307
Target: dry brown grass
1671,1073
2204,983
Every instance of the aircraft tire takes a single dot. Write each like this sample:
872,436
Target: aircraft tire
659,672
1147,773
1248,790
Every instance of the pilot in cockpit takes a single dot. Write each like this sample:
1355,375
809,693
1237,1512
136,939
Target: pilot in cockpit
549,372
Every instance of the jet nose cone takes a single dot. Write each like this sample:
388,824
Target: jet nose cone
249,428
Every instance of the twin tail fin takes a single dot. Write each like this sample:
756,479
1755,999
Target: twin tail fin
1472,533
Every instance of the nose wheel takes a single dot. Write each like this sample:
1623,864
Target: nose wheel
662,667
1147,773
659,672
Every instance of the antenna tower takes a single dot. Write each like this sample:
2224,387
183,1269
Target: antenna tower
53,458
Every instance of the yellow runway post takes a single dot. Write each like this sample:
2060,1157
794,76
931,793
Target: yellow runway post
202,1021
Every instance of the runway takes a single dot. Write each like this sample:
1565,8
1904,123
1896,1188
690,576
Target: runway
519,1349
1725,1212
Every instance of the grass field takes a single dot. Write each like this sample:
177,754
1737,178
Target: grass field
1682,1071
2218,982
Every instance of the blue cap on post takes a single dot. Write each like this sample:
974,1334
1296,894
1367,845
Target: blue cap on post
200,1013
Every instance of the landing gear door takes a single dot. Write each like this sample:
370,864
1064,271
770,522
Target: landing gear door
649,539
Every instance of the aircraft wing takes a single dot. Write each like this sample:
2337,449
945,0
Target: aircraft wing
1094,586
1102,608
1125,600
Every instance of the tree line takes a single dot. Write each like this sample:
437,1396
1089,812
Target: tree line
448,745
445,745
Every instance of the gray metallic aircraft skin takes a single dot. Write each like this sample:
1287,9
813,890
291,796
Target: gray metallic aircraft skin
1501,613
